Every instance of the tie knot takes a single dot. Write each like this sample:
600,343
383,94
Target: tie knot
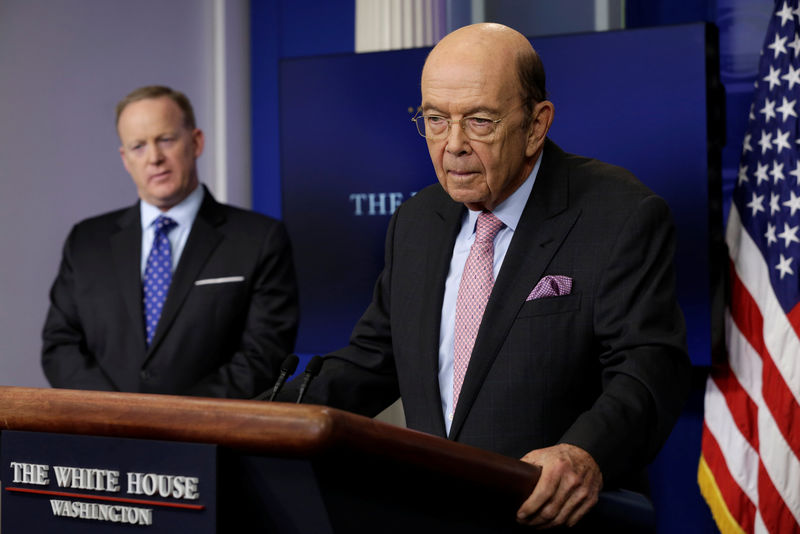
487,227
164,224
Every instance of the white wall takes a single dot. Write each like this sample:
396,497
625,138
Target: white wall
63,66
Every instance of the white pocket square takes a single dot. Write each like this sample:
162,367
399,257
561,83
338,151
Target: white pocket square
223,280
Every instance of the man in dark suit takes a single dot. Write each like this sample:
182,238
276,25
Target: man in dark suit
527,304
178,293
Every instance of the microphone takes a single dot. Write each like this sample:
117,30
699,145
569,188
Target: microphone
287,368
312,370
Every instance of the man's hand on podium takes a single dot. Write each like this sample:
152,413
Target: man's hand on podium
568,487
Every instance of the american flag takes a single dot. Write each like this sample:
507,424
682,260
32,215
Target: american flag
749,471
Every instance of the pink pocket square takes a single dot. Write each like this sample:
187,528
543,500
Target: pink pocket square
551,286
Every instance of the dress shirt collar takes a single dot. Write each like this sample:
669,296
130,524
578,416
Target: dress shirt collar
182,213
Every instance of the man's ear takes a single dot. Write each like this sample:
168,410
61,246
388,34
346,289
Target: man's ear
541,119
124,159
199,140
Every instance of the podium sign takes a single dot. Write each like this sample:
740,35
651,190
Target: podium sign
82,484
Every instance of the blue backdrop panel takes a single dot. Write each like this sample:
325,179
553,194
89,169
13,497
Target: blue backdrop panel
346,139
349,153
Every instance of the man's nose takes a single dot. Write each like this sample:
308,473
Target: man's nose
457,140
154,154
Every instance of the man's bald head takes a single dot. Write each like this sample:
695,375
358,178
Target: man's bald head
496,44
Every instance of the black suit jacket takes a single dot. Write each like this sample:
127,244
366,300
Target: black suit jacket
604,368
213,339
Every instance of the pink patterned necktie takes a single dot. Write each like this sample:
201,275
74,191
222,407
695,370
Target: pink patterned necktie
473,294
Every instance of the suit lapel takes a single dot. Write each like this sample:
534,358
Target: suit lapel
126,250
203,239
545,223
438,251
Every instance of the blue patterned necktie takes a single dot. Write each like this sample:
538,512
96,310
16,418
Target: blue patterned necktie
157,275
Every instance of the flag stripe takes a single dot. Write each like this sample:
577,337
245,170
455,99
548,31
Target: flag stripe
778,396
730,505
735,451
778,334
785,409
743,358
759,527
777,517
782,466
794,318
740,393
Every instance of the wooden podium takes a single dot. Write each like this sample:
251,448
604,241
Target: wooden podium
298,468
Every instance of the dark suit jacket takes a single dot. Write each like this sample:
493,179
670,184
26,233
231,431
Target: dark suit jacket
218,339
604,368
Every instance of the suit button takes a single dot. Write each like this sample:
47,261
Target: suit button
146,375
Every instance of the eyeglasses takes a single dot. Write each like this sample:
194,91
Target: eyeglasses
436,127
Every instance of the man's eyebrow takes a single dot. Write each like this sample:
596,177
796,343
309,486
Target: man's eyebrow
427,108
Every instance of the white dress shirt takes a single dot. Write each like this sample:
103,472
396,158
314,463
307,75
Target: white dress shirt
183,213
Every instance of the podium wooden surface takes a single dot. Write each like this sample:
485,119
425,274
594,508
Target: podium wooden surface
303,466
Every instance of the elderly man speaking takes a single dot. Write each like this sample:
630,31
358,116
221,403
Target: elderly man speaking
527,303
